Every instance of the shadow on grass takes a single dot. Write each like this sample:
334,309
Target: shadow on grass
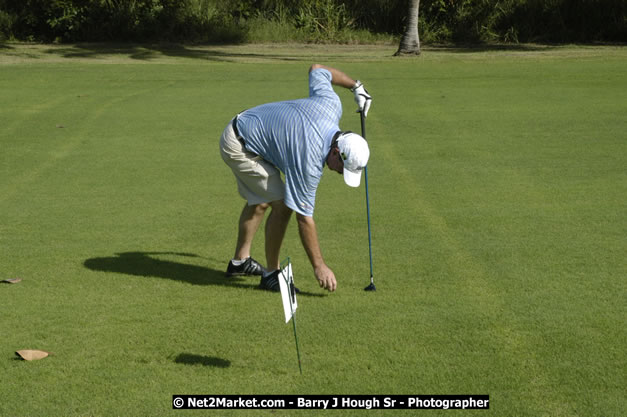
472,48
145,264
148,52
193,359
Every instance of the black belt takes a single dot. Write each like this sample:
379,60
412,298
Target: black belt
237,135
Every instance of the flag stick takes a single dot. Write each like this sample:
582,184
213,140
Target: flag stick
370,287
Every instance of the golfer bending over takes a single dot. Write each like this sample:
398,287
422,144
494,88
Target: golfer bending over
297,138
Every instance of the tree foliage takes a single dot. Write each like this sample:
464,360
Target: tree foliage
318,20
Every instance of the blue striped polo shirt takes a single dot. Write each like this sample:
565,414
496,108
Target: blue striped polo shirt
295,136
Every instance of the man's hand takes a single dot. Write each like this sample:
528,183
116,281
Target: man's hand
326,278
362,98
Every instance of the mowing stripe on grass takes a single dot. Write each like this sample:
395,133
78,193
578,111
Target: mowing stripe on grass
481,293
76,134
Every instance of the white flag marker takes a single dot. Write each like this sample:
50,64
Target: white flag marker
288,294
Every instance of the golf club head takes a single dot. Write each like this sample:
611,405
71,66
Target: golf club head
370,287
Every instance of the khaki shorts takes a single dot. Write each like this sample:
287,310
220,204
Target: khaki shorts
258,181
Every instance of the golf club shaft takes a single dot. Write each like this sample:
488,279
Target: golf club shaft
363,134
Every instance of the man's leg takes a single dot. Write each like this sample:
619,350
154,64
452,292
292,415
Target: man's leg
276,225
257,181
249,222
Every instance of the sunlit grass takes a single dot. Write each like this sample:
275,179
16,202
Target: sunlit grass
497,190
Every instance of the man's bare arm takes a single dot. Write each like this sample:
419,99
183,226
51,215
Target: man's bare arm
337,77
309,239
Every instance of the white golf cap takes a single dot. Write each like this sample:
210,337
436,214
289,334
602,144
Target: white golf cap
355,153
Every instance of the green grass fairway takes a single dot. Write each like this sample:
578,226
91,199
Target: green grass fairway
498,195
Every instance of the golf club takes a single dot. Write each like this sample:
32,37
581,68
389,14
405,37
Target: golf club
371,286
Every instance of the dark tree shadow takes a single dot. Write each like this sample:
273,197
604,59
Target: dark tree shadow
193,359
486,47
147,52
145,264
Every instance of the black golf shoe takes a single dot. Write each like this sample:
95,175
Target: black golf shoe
249,267
271,282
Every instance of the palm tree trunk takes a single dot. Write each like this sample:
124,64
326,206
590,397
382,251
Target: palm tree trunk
410,42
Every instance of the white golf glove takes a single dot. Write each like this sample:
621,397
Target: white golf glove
362,98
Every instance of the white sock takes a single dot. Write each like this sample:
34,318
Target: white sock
238,262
